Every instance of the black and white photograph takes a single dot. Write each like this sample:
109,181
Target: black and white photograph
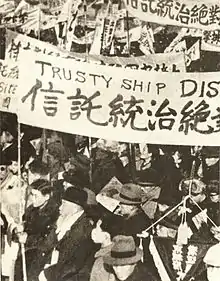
110,140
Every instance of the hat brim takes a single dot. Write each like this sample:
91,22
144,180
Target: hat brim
123,261
126,201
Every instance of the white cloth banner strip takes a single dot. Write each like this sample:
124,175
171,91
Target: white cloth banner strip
120,104
16,44
9,74
187,13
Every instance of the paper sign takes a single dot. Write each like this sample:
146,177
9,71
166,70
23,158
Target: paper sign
211,41
121,104
9,75
187,13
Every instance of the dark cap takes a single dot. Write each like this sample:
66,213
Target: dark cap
76,195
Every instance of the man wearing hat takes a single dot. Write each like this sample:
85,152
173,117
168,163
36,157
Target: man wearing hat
134,219
212,262
130,201
199,207
124,260
68,249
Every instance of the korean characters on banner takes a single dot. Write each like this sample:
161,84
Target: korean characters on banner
9,75
187,13
123,104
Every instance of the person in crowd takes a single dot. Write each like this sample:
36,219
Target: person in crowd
7,137
38,220
9,142
130,201
106,165
78,178
212,164
13,196
77,173
167,227
68,250
130,208
56,156
173,166
3,169
124,261
199,208
212,263
38,170
105,228
213,189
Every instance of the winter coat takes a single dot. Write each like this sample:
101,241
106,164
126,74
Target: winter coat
99,272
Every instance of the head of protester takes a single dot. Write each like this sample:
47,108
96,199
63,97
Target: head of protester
124,258
196,188
130,198
213,190
38,170
212,263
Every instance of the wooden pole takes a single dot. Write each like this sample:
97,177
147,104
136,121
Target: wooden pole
131,158
90,161
39,19
21,203
128,35
85,29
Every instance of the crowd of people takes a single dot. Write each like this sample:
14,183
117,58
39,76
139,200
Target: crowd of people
51,217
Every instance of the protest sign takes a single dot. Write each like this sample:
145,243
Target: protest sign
196,14
124,104
9,75
211,41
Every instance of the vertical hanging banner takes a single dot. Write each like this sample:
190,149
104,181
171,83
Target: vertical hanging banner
120,104
187,13
9,75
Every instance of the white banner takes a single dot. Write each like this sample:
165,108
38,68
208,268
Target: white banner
120,104
173,62
16,44
9,75
201,14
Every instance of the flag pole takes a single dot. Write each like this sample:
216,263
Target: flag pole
39,19
85,26
21,203
67,22
128,36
